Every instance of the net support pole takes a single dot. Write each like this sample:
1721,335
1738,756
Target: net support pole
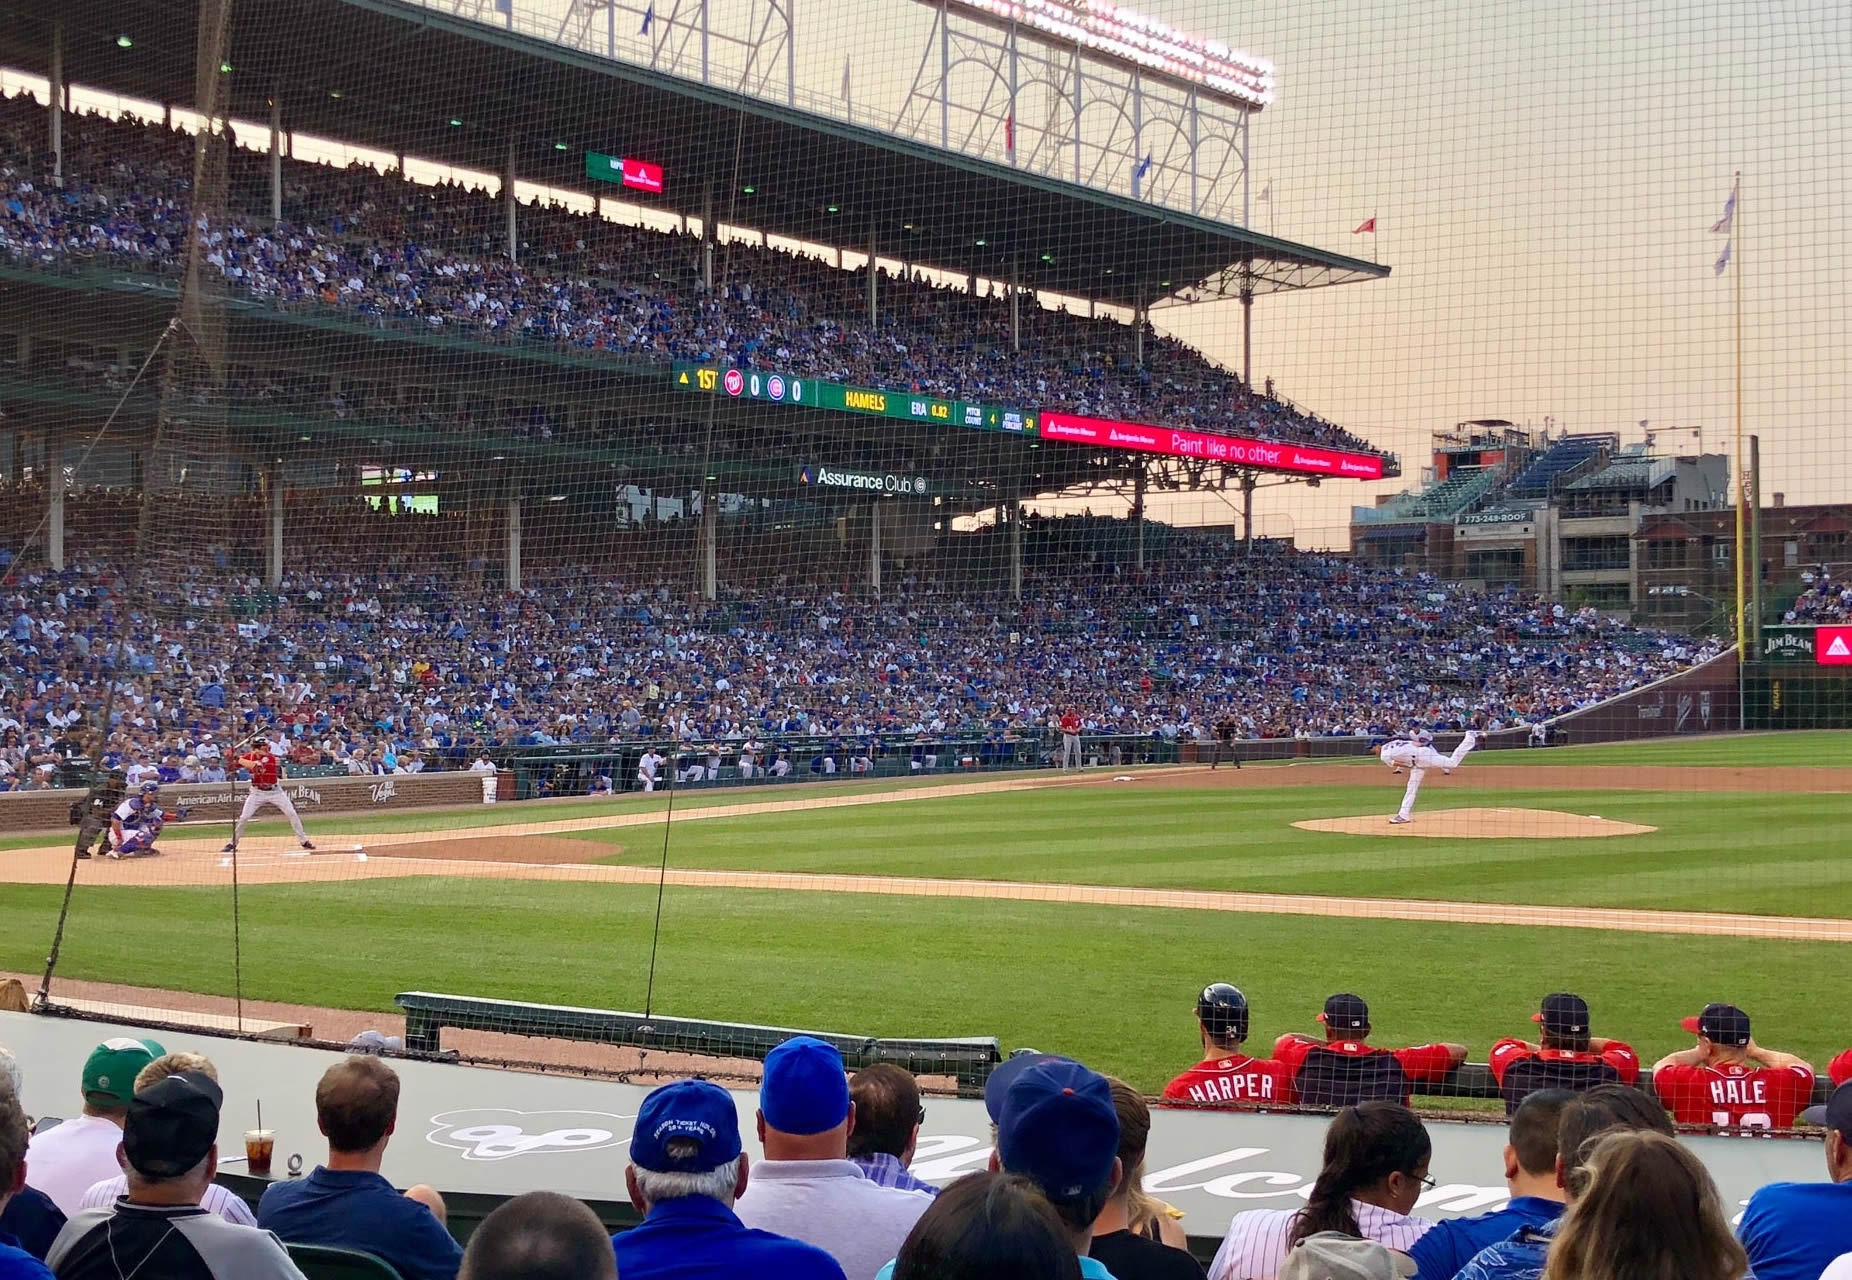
276,156
1015,306
54,515
1015,548
513,568
55,97
1247,327
874,312
1138,335
1755,545
1138,512
512,205
710,537
874,547
273,547
707,241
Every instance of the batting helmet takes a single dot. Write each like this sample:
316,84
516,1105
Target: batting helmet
150,786
1223,1011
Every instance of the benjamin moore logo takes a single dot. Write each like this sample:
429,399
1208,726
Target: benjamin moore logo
496,1133
869,481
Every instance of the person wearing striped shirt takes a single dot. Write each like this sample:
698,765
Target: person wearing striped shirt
888,1116
1375,1168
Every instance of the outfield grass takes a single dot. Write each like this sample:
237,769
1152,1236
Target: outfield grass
1111,985
1809,748
1772,854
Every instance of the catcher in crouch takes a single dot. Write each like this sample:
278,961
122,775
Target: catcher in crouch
137,822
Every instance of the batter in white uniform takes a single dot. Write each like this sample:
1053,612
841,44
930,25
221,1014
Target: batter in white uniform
1416,754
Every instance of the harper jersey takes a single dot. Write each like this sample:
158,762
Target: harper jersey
263,770
1734,1093
1233,1081
1521,1071
1342,1073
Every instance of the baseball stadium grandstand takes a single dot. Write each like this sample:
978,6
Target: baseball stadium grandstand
550,549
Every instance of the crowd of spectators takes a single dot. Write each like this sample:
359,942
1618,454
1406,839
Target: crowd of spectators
1599,1188
434,257
422,666
1822,598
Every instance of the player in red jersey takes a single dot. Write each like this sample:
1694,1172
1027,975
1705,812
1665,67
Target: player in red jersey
1070,738
266,792
1729,1079
1566,1056
1226,1077
1341,1070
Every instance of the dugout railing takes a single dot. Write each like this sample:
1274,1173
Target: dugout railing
967,1059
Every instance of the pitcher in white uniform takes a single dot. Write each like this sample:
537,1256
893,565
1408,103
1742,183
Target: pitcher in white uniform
1416,753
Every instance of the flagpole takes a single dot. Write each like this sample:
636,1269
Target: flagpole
1376,238
1742,492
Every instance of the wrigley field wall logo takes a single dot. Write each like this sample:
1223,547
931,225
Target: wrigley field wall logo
867,481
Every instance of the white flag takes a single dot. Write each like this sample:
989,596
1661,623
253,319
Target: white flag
1266,193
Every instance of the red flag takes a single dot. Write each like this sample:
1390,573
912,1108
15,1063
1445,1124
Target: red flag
1369,224
1009,131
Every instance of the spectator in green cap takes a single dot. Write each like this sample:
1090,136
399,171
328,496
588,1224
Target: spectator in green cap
67,1159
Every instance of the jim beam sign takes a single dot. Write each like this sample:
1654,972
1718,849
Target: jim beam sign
828,477
1788,644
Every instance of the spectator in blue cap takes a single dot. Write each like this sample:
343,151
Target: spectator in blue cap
807,1187
686,1171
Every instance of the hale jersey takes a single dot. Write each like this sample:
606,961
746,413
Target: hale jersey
1233,1081
1734,1093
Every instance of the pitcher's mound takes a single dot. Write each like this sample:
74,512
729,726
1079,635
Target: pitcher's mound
1482,824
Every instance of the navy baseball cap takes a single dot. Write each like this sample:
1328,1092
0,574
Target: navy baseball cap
693,1112
1059,1129
171,1125
1836,1114
1346,1012
1723,1023
1007,1073
804,1089
1563,1014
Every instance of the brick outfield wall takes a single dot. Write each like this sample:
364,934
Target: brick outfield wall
39,810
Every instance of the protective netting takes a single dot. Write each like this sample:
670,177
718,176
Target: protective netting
682,525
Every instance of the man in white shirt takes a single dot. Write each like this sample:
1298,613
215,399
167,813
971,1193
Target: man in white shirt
69,1158
647,769
217,1199
806,1187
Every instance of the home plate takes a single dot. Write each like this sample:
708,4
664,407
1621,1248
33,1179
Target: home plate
1482,824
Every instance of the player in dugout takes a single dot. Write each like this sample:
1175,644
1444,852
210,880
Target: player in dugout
1341,1070
1565,1057
1730,1080
1227,1077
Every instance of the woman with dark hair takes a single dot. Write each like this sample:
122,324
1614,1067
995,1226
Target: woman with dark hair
1375,1168
988,1226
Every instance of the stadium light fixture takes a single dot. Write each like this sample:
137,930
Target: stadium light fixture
1048,257
556,497
124,42
1142,40
908,226
749,191
832,208
225,68
335,94
980,242
455,123
560,146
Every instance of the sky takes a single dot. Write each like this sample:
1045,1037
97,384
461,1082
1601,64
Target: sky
1544,179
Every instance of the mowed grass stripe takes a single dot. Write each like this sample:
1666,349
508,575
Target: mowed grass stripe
1739,852
1111,985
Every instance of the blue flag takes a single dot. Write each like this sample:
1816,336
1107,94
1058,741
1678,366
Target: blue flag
649,16
1724,259
1144,166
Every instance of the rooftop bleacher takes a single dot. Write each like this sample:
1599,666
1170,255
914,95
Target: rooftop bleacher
1562,462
